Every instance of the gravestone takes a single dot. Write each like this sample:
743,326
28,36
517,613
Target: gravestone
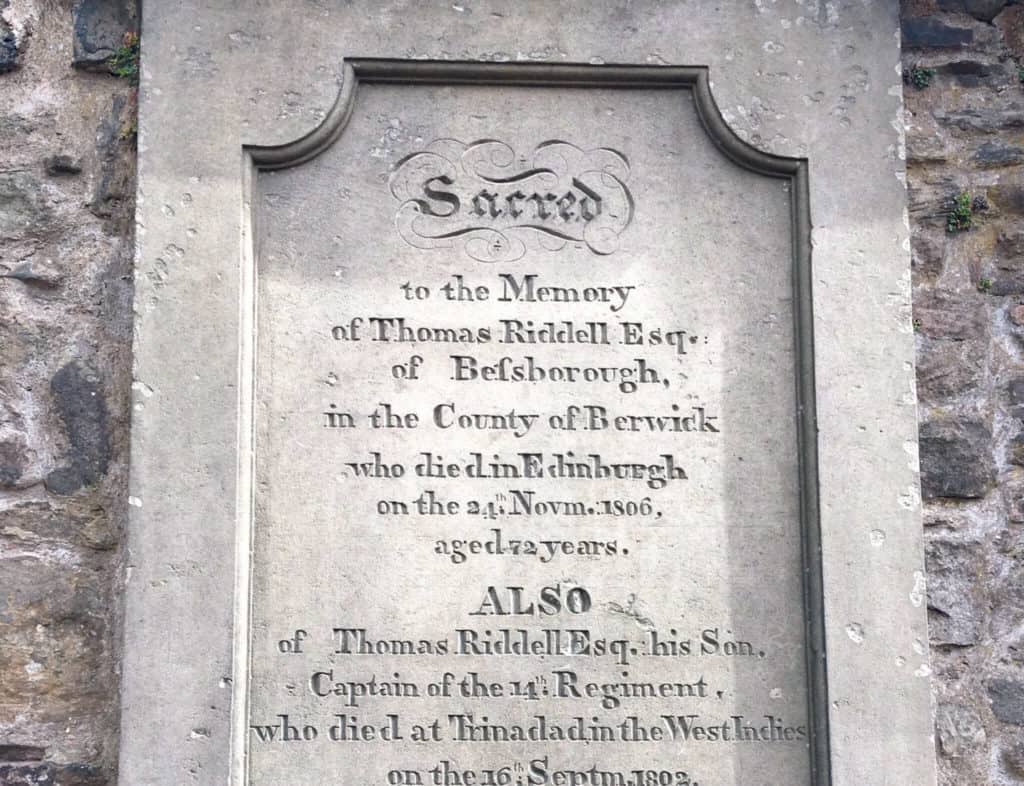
524,396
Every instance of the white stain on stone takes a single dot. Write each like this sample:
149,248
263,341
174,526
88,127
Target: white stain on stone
856,632
917,594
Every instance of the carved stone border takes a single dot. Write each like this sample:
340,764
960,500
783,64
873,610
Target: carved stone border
433,72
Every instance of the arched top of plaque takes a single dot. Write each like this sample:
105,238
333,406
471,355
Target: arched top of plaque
445,72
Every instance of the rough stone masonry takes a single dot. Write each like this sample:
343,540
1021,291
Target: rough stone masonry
66,240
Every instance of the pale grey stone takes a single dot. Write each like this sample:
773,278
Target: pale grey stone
708,240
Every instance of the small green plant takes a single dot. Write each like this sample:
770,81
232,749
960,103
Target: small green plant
921,77
125,61
1020,73
984,284
959,218
917,325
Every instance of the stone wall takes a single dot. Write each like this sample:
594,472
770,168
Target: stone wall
66,244
963,64
66,239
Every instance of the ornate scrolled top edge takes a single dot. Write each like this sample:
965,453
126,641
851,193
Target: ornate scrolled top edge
316,141
518,74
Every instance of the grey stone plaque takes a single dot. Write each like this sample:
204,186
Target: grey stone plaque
478,439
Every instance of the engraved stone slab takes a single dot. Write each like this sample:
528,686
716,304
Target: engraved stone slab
507,470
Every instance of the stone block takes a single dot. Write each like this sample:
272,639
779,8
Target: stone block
1011,24
955,600
956,458
984,10
948,315
948,369
23,205
983,118
1007,698
82,409
997,153
960,729
933,33
100,26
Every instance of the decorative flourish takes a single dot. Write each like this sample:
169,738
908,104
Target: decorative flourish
491,202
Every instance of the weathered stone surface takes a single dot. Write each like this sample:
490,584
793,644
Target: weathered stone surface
1007,274
955,599
1013,498
1015,397
34,271
62,279
960,729
956,458
985,10
997,153
1007,197
15,459
13,753
23,205
927,254
948,370
115,185
82,409
1017,450
1007,697
933,33
1016,315
983,118
1013,758
1011,25
947,315
100,26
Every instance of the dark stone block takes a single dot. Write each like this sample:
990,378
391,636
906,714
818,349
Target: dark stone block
58,165
956,459
8,50
998,154
8,44
12,753
115,185
100,26
985,10
975,73
1007,697
931,32
80,403
983,118
1015,394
